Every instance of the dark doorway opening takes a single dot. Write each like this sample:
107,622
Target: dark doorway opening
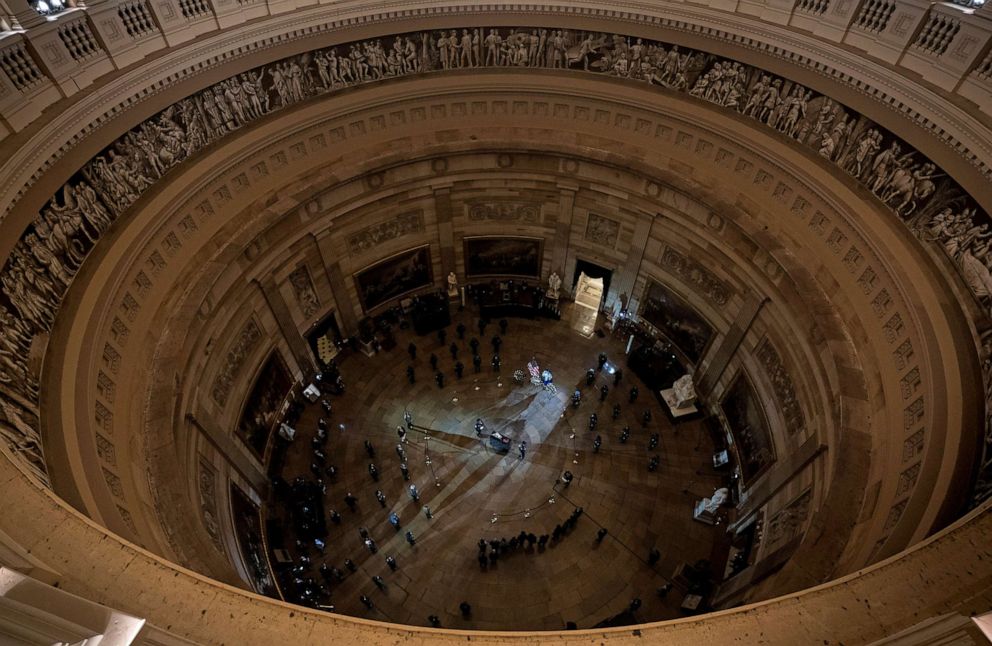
324,338
592,270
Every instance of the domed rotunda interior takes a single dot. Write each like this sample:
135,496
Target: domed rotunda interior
432,322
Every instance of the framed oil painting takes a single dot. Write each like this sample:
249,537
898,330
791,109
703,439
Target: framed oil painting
393,277
749,428
503,256
676,320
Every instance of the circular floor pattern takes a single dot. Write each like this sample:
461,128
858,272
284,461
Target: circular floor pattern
475,492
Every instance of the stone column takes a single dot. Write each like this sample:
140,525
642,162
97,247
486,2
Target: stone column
445,229
335,278
284,319
623,282
715,362
563,231
235,456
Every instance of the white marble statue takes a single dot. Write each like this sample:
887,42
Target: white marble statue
685,391
711,505
452,284
554,285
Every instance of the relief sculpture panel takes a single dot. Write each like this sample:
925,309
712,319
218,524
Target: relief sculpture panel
504,211
374,235
693,273
245,342
602,230
785,391
303,289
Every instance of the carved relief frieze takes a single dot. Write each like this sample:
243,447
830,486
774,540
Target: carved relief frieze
303,289
43,263
247,339
374,235
504,211
782,385
693,273
602,230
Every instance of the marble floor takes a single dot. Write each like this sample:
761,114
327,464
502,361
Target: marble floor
475,492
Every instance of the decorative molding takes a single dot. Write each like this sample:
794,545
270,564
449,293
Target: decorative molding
692,273
374,235
245,342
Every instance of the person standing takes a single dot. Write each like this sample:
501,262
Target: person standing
408,418
414,493
459,369
604,390
410,538
410,375
633,394
428,512
460,331
439,379
405,471
412,349
381,497
474,344
401,433
433,360
453,348
495,363
598,442
477,363
523,449
394,520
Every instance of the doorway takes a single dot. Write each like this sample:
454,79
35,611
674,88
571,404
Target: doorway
592,270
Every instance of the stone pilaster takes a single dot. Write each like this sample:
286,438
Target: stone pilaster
715,362
235,456
445,229
622,285
284,319
563,230
335,278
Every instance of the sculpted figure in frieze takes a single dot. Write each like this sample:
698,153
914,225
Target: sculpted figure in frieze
905,181
22,439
